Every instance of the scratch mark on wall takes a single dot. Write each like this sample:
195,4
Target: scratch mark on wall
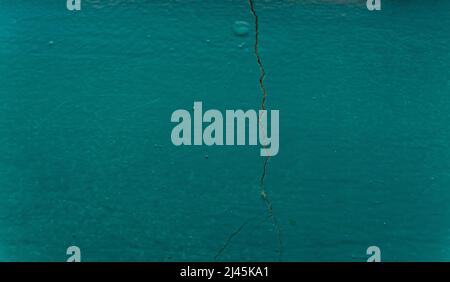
230,238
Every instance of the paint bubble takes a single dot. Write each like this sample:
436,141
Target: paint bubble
241,28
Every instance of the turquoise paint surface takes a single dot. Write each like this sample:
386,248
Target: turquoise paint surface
86,157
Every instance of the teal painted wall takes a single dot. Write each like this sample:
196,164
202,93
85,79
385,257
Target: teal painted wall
86,157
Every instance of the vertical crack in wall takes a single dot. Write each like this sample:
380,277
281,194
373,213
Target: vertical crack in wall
262,76
262,188
258,57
